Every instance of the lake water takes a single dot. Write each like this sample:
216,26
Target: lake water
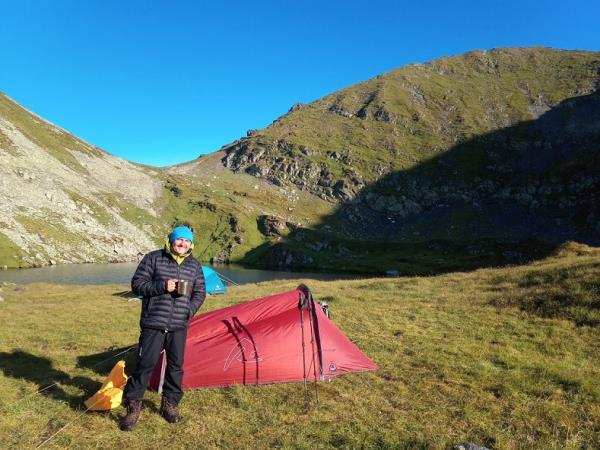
121,273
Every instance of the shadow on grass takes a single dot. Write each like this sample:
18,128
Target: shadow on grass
39,370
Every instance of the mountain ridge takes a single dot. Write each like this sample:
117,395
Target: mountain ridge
375,135
427,152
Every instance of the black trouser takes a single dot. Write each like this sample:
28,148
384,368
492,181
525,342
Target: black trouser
152,342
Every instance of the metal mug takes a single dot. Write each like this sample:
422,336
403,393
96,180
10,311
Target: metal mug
183,287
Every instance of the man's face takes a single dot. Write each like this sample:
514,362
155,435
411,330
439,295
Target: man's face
181,246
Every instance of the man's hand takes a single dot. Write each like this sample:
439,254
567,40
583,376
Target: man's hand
170,285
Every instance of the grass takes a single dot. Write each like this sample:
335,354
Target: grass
569,290
455,365
10,251
129,210
56,142
100,213
50,227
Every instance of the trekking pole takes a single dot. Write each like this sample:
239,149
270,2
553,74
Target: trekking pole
304,375
312,345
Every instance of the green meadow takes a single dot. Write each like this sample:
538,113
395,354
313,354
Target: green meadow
505,358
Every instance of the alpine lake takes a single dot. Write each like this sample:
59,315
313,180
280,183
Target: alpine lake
121,273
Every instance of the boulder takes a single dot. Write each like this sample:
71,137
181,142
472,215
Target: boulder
271,225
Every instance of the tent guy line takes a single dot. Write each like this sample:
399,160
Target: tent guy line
68,423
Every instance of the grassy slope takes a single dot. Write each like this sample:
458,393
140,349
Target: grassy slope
58,143
404,122
210,196
433,106
457,363
229,197
46,135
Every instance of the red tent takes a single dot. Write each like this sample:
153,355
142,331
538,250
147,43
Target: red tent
280,338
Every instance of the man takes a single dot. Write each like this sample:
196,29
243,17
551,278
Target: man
166,312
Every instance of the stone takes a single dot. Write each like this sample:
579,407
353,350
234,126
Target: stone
468,446
28,260
288,260
308,151
296,107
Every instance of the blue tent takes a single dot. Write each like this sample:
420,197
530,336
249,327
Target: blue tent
214,284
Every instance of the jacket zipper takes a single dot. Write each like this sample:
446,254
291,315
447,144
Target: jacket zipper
172,303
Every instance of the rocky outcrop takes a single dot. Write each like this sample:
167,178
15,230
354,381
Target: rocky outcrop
279,163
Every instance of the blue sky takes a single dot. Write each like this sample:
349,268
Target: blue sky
160,82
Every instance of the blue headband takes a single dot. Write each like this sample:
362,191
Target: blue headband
181,232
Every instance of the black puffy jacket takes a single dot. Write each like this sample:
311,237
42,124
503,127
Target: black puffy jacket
164,310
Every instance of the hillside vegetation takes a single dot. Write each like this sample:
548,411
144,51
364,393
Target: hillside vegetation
491,157
505,358
484,159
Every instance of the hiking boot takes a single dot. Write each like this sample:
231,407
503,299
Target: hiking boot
134,408
169,411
